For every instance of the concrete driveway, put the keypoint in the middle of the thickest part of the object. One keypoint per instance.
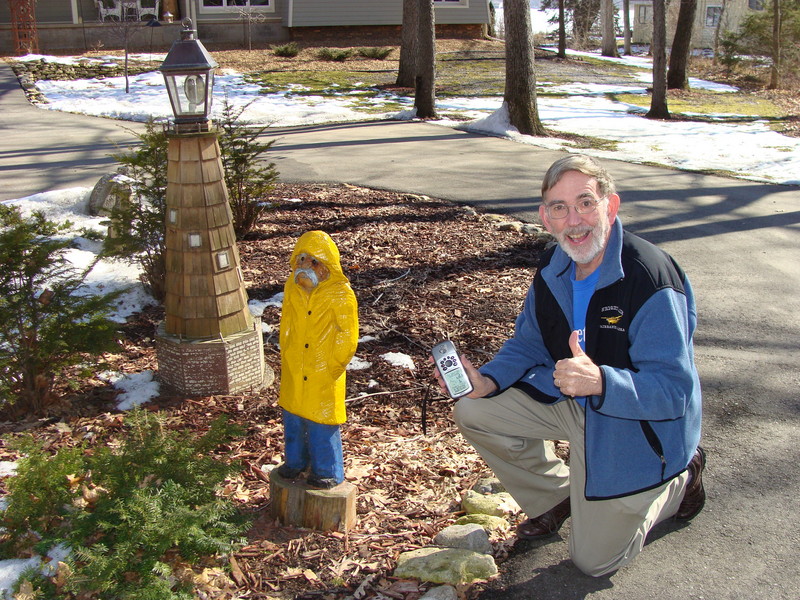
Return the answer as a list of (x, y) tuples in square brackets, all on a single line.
[(739, 242)]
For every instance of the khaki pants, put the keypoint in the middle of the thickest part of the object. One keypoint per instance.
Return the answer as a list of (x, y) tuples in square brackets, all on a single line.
[(509, 430)]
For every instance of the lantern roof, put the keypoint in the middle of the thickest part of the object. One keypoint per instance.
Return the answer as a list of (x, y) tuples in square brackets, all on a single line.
[(187, 53)]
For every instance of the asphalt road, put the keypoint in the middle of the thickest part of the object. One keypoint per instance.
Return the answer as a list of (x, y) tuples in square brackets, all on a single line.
[(737, 240)]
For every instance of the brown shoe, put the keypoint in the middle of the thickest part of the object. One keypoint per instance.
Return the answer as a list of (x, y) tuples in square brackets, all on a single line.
[(695, 497), (545, 524)]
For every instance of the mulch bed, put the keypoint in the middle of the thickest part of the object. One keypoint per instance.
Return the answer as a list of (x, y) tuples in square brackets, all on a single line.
[(422, 269)]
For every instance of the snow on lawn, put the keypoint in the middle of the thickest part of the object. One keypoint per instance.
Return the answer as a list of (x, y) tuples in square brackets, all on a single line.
[(748, 150)]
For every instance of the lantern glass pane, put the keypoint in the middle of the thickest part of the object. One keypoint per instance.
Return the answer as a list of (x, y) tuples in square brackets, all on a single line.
[(188, 94)]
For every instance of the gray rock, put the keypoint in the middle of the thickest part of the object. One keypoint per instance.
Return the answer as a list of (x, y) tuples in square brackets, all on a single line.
[(445, 565), (442, 592), (468, 537), (488, 485), (108, 192), (498, 505), (491, 524)]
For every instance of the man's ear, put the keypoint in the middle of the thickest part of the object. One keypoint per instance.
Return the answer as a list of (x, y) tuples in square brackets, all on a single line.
[(543, 217), (613, 207)]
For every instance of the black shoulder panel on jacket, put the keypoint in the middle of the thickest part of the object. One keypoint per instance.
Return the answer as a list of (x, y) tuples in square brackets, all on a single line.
[(653, 267)]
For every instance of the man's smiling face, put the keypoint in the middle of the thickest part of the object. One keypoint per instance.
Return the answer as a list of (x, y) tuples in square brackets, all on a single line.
[(582, 236)]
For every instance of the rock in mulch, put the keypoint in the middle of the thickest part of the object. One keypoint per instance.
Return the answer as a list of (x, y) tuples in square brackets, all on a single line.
[(445, 565)]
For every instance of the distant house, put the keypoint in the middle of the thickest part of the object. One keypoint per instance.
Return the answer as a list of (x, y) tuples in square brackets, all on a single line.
[(76, 24), (726, 15)]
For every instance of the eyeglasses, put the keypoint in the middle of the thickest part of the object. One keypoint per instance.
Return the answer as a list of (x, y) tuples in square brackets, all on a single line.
[(560, 210)]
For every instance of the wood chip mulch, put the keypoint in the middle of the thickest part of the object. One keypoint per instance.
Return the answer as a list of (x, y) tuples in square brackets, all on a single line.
[(422, 269)]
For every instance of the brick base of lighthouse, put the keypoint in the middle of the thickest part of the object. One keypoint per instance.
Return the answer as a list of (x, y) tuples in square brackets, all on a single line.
[(231, 365)]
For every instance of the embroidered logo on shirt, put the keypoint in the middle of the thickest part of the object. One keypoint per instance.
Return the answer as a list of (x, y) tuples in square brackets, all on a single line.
[(610, 316)]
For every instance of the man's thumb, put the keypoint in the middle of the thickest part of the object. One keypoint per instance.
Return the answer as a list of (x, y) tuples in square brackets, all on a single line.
[(575, 345)]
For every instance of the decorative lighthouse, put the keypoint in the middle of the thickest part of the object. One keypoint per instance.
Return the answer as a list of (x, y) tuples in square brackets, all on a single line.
[(208, 343)]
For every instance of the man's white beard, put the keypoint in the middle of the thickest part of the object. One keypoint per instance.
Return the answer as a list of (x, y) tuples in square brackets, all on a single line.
[(586, 254)]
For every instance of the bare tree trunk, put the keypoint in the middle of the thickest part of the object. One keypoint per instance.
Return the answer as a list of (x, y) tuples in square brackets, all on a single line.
[(407, 70), (609, 43), (717, 30), (775, 71), (626, 19), (677, 78), (562, 30), (520, 90), (658, 102), (425, 78)]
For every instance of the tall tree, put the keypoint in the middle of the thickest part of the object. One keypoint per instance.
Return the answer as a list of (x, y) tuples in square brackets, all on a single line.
[(609, 42), (775, 71), (677, 78), (584, 16), (407, 70), (520, 85), (581, 13), (425, 78), (658, 101), (562, 30), (626, 20), (718, 30)]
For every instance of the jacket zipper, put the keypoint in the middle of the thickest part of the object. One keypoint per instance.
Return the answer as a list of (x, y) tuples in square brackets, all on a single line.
[(655, 444)]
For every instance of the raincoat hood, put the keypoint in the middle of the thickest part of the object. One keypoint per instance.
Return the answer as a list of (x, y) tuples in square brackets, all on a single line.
[(322, 247)]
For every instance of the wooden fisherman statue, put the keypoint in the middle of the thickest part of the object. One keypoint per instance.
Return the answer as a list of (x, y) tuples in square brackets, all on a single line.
[(318, 337)]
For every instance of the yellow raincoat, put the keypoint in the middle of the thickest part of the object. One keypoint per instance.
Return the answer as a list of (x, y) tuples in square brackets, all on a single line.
[(318, 337)]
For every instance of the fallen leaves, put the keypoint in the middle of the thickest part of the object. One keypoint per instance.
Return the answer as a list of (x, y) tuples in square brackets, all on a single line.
[(411, 293)]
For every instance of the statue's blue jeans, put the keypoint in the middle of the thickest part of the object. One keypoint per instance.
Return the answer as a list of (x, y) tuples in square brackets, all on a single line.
[(313, 444)]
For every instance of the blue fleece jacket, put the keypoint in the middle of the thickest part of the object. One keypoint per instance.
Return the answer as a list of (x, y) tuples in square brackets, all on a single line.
[(644, 428)]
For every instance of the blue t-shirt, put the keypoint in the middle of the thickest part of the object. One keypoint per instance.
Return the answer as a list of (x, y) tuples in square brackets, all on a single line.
[(581, 294)]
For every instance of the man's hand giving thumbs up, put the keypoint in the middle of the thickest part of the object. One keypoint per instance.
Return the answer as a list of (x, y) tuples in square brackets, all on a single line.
[(578, 376)]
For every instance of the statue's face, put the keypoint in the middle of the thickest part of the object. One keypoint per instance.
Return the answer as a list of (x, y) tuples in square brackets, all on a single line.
[(309, 272)]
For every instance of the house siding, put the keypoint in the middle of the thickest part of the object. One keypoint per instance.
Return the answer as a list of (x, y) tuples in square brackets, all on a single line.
[(317, 13), (702, 34), (59, 29), (46, 12)]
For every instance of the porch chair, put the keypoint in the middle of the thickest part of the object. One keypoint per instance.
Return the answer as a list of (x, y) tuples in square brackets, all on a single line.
[(109, 8), (148, 7)]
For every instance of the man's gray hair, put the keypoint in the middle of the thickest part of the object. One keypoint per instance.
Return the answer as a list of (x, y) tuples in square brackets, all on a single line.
[(583, 164)]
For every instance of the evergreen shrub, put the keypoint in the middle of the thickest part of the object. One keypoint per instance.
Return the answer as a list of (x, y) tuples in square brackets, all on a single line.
[(48, 319), (248, 179), (132, 511), (289, 50), (374, 53), (334, 54)]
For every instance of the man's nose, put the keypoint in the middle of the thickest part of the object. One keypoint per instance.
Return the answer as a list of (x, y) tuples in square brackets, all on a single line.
[(573, 216)]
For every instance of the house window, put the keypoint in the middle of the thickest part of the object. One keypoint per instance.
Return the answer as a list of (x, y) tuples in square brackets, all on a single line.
[(195, 241), (713, 15), (223, 6), (755, 4), (464, 3), (644, 14)]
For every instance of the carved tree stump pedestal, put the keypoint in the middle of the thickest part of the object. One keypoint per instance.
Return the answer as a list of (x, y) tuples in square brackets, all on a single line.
[(296, 503)]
